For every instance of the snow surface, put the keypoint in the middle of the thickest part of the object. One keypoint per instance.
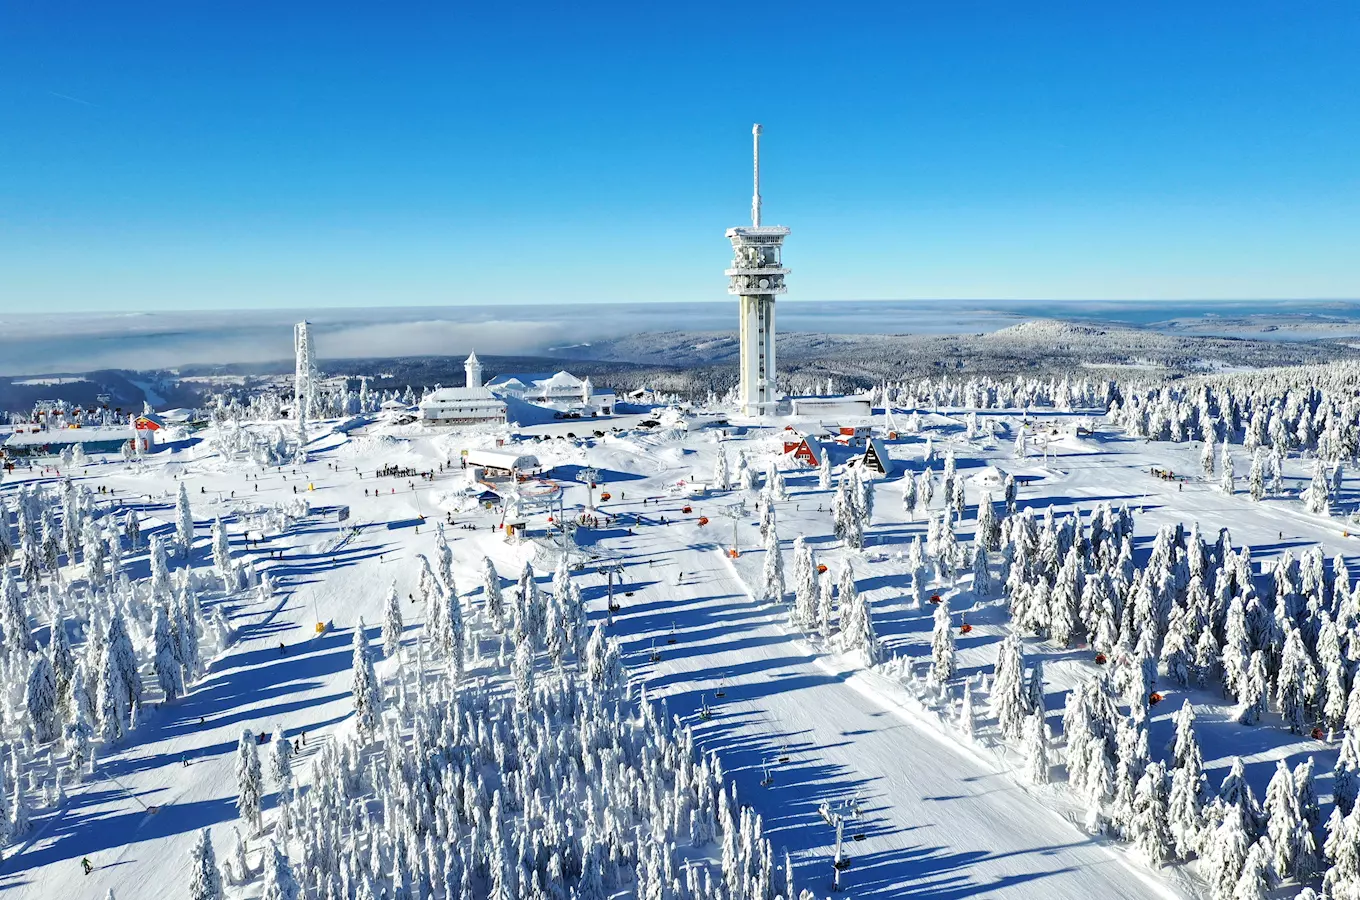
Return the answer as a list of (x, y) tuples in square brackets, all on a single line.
[(941, 817)]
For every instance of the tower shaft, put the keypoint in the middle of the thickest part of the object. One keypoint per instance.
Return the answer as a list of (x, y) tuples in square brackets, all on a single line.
[(757, 277)]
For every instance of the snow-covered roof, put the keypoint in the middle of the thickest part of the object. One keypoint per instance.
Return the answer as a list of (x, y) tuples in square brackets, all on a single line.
[(458, 395), (69, 436), (500, 459)]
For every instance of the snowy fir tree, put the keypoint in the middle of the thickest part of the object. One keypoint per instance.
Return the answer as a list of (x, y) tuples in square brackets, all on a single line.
[(772, 586), (279, 882), (1149, 826), (824, 472), (721, 478), (169, 673), (41, 699), (1316, 497), (364, 688), (184, 522), (805, 598), (249, 783), (1227, 476), (942, 663), (493, 600), (392, 627), (1037, 765), (205, 881)]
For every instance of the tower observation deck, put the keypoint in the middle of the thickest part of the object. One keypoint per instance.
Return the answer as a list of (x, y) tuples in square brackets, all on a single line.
[(756, 277)]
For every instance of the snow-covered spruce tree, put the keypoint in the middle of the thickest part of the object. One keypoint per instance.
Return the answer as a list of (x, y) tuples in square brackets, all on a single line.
[(167, 663), (805, 599), (493, 600), (1227, 476), (824, 472), (988, 529), (1256, 475), (864, 494), (721, 477), (1008, 688), (221, 550), (1255, 690), (772, 586), (982, 576), (846, 520), (205, 882), (847, 599), (111, 698), (367, 697), (1296, 672), (249, 784), (1149, 825), (1037, 765), (1188, 785), (775, 488), (119, 645), (1206, 456), (1254, 881), (184, 522), (825, 611), (132, 529), (909, 499), (40, 698), (392, 627), (281, 763), (942, 663), (14, 614), (1316, 496), (1283, 820), (279, 882)]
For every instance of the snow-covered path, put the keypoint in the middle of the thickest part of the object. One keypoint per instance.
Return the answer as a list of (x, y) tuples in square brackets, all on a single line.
[(937, 821)]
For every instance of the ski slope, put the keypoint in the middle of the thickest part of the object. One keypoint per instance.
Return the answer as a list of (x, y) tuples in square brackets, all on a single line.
[(938, 818)]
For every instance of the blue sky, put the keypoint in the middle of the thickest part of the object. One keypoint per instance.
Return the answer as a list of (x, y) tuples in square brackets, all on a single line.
[(212, 155)]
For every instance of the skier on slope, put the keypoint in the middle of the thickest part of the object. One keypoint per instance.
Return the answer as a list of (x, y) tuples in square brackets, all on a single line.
[(85, 864)]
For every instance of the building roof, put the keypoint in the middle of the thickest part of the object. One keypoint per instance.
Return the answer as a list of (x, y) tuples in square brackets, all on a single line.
[(458, 395), (500, 459), (472, 358), (69, 436)]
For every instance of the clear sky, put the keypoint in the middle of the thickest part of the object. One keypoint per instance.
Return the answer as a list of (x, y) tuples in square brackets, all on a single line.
[(200, 155)]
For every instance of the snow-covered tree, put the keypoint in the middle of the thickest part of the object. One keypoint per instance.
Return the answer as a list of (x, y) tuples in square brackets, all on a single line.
[(772, 586), (40, 698), (1149, 826), (249, 784), (279, 882), (392, 627), (1037, 765), (805, 598), (721, 477), (1316, 497), (167, 663), (942, 663), (493, 601), (367, 699), (1008, 688), (205, 881), (184, 521), (1227, 476), (824, 472)]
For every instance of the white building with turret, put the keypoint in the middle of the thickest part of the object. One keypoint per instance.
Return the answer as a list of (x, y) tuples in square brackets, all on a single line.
[(562, 392), (469, 405)]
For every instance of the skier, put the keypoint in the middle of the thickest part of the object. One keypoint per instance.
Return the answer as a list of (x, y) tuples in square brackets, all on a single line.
[(85, 864), (184, 759), (283, 650)]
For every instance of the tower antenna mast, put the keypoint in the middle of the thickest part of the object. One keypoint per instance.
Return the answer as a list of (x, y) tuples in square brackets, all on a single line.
[(755, 196)]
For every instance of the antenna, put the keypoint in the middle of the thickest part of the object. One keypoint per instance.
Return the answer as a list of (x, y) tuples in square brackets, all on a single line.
[(755, 197)]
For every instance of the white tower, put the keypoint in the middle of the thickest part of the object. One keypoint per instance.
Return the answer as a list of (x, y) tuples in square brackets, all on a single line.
[(304, 377), (472, 367), (756, 277)]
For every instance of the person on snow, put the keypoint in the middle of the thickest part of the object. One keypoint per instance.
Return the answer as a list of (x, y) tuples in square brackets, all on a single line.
[(85, 864)]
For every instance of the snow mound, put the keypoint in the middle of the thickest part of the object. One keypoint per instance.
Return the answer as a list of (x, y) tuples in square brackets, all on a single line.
[(373, 445)]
